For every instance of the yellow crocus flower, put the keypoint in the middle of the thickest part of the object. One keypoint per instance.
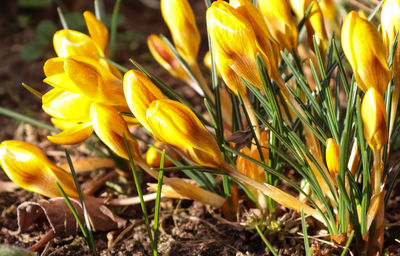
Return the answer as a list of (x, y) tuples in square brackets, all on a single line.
[(332, 157), (179, 17), (164, 56), (373, 114), (28, 167), (111, 128), (363, 46), (234, 40), (140, 92), (278, 16), (175, 124)]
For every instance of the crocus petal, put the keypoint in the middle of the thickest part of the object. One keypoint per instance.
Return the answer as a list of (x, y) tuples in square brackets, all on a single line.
[(364, 49), (54, 66), (66, 105), (97, 31), (140, 91), (165, 57), (110, 127), (28, 167), (175, 124), (179, 17), (153, 156), (74, 135), (68, 42), (390, 21), (280, 22), (62, 81), (373, 114), (62, 124), (95, 81)]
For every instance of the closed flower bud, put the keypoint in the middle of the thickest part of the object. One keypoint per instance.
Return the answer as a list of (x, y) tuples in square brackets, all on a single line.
[(140, 92), (27, 166), (111, 128), (373, 113), (165, 57), (280, 22), (175, 124), (332, 157), (234, 40), (363, 46), (181, 22)]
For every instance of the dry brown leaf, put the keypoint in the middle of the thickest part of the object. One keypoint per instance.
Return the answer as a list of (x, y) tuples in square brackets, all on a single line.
[(57, 214), (8, 186)]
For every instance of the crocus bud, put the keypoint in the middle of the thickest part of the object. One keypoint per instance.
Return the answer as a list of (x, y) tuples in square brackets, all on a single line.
[(181, 23), (28, 167), (268, 48), (175, 124), (363, 46), (280, 22), (165, 57), (234, 40), (140, 91), (153, 156), (373, 113), (111, 128), (332, 157)]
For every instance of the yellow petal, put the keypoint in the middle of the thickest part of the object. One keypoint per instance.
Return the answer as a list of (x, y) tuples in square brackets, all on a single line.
[(54, 66), (233, 38), (97, 31), (62, 81), (364, 49), (28, 167), (62, 124), (280, 21), (175, 124), (110, 127), (66, 105), (140, 91), (179, 17), (165, 57), (373, 113), (73, 135), (332, 157), (95, 81), (390, 21), (68, 42)]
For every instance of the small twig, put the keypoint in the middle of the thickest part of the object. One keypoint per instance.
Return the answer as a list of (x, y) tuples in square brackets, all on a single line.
[(131, 200), (43, 241), (94, 185)]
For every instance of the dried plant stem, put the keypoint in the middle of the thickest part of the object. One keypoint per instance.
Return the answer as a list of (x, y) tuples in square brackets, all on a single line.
[(43, 241), (96, 184), (275, 193), (131, 200)]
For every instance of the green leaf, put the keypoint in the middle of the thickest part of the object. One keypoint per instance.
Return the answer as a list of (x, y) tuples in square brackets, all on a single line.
[(44, 32), (34, 3), (31, 51)]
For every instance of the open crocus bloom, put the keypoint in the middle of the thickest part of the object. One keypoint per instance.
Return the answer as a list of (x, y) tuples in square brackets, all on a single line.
[(28, 167), (80, 78)]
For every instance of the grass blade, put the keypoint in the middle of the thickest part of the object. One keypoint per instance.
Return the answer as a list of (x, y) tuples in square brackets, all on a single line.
[(271, 249), (158, 200), (114, 26), (304, 228)]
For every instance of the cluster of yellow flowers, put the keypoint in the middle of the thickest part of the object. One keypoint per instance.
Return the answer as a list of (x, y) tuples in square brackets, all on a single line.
[(89, 93)]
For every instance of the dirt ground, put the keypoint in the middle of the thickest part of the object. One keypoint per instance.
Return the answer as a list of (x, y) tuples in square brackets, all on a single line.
[(187, 228)]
